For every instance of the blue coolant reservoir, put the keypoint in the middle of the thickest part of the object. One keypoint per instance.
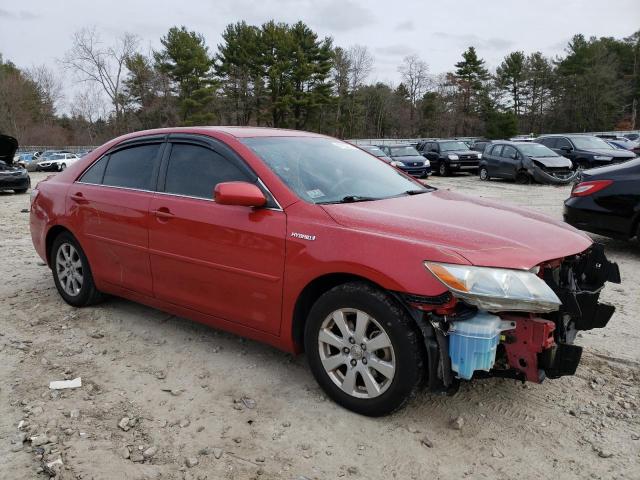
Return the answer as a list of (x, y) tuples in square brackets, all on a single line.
[(473, 343)]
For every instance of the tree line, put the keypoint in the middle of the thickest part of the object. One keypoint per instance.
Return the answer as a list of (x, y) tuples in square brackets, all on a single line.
[(287, 76)]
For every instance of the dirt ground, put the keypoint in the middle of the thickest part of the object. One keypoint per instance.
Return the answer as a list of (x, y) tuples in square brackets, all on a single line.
[(203, 404)]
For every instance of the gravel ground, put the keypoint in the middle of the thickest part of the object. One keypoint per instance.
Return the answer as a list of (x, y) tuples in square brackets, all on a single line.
[(163, 397)]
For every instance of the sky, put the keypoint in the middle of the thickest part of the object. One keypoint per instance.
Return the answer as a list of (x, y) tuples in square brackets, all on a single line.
[(35, 32)]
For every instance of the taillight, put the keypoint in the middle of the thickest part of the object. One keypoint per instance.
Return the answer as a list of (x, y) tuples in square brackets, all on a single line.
[(584, 189)]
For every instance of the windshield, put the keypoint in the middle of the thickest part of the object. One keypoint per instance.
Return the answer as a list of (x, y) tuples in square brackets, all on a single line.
[(586, 143), (536, 150), (449, 146), (373, 150), (324, 170), (404, 151)]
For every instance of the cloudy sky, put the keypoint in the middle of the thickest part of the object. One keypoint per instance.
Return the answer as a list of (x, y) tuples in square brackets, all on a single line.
[(34, 32)]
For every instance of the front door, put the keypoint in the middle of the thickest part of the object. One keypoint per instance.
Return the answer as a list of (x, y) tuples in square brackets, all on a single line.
[(222, 260)]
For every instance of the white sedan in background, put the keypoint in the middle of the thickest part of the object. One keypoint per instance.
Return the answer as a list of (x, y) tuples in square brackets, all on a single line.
[(58, 162)]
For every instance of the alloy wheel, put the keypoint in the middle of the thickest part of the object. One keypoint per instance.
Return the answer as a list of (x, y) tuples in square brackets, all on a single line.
[(484, 175), (69, 269), (356, 353)]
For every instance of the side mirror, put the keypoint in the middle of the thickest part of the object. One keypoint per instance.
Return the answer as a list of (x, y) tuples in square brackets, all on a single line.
[(239, 193), (566, 149)]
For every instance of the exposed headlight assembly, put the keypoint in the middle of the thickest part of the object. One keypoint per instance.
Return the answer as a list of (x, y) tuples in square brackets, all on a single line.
[(452, 157), (496, 289)]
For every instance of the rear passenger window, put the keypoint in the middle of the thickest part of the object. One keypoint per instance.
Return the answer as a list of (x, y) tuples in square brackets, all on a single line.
[(132, 167), (195, 171), (95, 172), (509, 152), (495, 151)]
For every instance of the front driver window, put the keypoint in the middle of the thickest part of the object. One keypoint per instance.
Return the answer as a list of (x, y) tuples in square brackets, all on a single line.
[(194, 171)]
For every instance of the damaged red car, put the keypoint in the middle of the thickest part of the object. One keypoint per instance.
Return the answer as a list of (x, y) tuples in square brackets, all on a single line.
[(312, 245)]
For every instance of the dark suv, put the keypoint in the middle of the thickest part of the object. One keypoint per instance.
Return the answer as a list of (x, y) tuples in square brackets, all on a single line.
[(449, 155), (406, 158), (585, 151)]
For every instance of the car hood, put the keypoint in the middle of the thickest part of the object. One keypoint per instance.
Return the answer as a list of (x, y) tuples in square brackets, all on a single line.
[(553, 162), (613, 153), (483, 232), (409, 158), (8, 148)]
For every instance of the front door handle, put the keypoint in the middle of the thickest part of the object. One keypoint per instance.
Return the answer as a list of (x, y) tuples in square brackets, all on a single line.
[(163, 213), (79, 198)]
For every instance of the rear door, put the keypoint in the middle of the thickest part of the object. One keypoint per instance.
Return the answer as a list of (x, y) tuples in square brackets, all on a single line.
[(508, 162), (222, 260), (109, 206), (492, 156)]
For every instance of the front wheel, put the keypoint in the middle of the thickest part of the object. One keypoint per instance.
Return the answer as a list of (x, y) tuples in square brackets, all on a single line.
[(71, 272), (363, 349), (62, 166), (443, 169), (484, 174)]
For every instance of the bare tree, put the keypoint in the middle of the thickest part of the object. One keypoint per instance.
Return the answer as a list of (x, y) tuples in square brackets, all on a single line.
[(93, 61), (89, 105), (415, 76), (360, 65)]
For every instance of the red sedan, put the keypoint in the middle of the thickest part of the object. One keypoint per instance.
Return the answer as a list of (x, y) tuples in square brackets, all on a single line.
[(310, 244)]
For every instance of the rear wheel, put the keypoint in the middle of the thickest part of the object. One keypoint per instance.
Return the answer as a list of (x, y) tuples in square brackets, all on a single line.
[(363, 349), (484, 174), (71, 272)]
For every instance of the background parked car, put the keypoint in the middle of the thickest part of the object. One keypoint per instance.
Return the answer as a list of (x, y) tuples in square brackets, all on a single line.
[(27, 160), (376, 151), (408, 159), (607, 201), (479, 145), (12, 176), (632, 136), (447, 156), (585, 151), (526, 161), (622, 143), (57, 162)]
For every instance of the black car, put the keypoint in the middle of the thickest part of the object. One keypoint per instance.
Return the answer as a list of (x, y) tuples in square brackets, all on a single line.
[(607, 201), (585, 151), (375, 151), (447, 156), (406, 158), (12, 177), (526, 161)]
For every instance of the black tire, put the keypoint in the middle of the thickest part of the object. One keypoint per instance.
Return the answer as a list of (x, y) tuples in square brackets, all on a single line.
[(88, 293), (62, 167), (522, 178), (21, 190), (443, 169), (406, 342), (484, 174)]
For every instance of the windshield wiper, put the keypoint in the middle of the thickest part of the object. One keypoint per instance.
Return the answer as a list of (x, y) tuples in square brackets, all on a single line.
[(352, 199), (417, 191)]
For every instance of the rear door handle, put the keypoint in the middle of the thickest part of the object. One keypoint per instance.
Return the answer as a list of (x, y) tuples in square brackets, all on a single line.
[(163, 213), (79, 198)]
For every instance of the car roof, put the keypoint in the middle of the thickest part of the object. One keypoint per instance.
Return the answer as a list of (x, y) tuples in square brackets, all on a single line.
[(238, 132)]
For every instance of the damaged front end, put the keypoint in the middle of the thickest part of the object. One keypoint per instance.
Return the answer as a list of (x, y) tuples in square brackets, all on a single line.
[(464, 341), (553, 171)]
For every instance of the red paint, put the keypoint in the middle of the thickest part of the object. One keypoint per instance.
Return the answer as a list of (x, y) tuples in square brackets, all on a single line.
[(530, 337), (240, 269), (239, 193)]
